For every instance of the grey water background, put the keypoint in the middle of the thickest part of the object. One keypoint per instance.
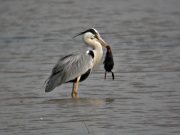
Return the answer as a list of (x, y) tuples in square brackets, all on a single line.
[(143, 99)]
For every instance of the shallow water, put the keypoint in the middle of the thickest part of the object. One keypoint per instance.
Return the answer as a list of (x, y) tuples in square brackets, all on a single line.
[(143, 99)]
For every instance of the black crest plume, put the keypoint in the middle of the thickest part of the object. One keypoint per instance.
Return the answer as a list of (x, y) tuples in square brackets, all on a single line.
[(92, 30)]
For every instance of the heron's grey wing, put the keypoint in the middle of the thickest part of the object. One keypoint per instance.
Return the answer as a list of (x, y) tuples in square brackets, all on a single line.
[(69, 67)]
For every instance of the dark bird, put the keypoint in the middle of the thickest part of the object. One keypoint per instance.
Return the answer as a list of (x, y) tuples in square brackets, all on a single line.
[(109, 62)]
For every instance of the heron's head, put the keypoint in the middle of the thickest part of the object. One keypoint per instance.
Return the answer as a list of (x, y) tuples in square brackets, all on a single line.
[(91, 36)]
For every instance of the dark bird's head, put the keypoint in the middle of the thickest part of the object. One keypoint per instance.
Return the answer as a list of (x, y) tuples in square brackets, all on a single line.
[(108, 49)]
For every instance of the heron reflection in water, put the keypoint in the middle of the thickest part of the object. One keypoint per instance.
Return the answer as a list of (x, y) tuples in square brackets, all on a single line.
[(77, 65)]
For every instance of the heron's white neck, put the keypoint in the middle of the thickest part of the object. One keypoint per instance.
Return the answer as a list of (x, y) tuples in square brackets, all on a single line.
[(98, 52)]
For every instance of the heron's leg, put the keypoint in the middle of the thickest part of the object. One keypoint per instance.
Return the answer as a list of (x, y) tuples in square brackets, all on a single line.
[(112, 75), (105, 75), (74, 93)]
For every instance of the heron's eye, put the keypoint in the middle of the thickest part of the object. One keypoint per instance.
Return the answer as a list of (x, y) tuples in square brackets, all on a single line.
[(92, 37)]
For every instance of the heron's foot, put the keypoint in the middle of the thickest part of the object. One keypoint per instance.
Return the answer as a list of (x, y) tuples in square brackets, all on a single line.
[(74, 94)]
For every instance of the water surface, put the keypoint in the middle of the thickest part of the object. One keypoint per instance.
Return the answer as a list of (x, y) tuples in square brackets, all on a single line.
[(143, 99)]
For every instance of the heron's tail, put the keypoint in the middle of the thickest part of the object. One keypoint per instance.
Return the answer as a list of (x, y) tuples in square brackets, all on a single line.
[(48, 88), (51, 83)]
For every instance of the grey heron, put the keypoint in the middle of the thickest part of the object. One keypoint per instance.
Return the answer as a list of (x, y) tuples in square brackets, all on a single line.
[(76, 66)]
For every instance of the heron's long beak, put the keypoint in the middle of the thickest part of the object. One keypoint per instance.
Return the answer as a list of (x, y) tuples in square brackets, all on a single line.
[(101, 41)]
